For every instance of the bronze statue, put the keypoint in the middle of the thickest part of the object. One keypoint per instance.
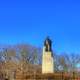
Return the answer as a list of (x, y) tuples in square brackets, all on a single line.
[(48, 44)]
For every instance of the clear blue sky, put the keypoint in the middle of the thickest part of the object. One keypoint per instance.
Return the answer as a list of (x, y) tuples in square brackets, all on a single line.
[(30, 21)]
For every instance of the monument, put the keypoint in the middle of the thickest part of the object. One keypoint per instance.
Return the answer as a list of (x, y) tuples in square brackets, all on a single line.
[(47, 57)]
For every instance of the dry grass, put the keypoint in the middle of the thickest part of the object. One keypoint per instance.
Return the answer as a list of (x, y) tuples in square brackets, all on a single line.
[(33, 72), (55, 76)]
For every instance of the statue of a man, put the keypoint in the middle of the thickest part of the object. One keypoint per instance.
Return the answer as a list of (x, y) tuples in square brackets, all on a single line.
[(48, 44)]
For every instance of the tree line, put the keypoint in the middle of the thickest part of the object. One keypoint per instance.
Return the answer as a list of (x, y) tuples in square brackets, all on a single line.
[(28, 54)]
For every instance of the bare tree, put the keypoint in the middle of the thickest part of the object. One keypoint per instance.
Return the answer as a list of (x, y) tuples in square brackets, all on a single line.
[(67, 62)]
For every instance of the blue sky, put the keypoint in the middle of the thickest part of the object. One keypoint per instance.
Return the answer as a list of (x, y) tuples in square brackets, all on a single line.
[(30, 21)]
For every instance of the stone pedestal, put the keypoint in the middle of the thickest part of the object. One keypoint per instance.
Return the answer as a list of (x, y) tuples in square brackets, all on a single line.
[(47, 62)]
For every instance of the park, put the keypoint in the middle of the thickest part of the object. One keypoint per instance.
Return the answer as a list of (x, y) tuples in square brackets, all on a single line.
[(39, 39), (24, 68)]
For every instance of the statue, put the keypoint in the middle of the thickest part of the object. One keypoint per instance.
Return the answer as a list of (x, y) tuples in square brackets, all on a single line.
[(48, 44), (47, 57)]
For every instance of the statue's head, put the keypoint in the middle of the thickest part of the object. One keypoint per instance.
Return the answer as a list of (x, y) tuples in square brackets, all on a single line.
[(47, 44)]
